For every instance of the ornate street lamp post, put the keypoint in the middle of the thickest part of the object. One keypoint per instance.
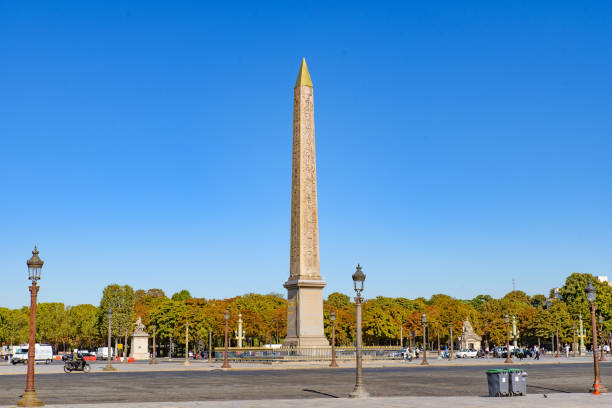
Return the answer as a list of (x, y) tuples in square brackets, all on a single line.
[(558, 343), (514, 344), (109, 357), (602, 356), (359, 390), (209, 345), (29, 398), (424, 321), (333, 350), (574, 344), (226, 364), (508, 359), (154, 359), (452, 345), (590, 295), (187, 345), (581, 336)]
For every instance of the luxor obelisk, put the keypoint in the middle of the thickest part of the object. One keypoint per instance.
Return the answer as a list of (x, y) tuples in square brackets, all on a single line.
[(304, 286)]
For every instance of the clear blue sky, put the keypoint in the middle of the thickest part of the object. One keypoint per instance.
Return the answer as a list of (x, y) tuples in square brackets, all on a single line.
[(458, 145)]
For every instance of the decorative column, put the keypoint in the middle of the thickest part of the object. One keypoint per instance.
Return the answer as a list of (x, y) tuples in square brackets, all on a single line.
[(239, 333)]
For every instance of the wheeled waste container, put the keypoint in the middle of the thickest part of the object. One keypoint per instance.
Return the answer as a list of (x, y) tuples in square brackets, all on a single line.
[(518, 381), (498, 383)]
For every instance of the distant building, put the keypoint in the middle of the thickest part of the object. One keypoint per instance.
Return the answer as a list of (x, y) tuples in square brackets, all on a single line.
[(604, 279)]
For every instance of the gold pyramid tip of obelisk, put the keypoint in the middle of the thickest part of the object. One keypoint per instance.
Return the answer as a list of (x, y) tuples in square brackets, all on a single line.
[(303, 78)]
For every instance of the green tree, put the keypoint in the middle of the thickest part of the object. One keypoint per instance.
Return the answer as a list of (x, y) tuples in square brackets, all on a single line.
[(14, 325), (83, 325), (181, 296), (121, 300), (52, 324), (338, 300), (574, 296)]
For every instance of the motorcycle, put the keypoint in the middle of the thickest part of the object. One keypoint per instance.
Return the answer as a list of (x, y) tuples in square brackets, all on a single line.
[(79, 365)]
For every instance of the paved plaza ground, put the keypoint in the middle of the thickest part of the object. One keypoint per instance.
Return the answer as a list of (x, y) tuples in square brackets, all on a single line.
[(530, 401), (170, 384), (202, 365)]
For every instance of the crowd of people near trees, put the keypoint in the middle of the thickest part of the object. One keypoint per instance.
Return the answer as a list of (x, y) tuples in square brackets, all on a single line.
[(385, 319)]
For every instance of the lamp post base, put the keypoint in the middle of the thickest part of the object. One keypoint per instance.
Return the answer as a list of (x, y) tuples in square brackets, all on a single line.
[(30, 399), (333, 364), (424, 362), (186, 363), (359, 392), (109, 368)]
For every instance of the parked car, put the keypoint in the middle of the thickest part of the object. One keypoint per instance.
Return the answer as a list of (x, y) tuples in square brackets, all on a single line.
[(467, 353)]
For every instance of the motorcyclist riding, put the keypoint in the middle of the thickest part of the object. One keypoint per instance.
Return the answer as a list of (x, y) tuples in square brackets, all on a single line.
[(77, 360)]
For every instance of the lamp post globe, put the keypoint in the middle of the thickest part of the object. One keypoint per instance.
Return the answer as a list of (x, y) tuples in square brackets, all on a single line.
[(590, 292), (358, 279), (35, 265), (30, 398), (359, 390)]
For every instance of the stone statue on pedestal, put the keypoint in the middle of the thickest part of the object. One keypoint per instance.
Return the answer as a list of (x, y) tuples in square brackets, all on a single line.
[(140, 342)]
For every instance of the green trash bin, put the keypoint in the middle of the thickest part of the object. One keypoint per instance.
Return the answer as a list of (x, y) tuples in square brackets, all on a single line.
[(498, 383), (518, 381)]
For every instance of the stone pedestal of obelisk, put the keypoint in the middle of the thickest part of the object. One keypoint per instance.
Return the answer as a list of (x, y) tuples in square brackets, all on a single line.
[(304, 286)]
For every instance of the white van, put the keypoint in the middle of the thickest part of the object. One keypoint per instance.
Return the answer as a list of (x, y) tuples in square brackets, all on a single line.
[(42, 353), (102, 353)]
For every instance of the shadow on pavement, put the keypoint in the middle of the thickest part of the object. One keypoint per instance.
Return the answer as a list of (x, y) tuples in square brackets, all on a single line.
[(548, 389), (322, 393)]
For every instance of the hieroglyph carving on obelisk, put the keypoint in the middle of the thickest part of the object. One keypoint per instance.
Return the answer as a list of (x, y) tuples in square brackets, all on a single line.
[(305, 286)]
